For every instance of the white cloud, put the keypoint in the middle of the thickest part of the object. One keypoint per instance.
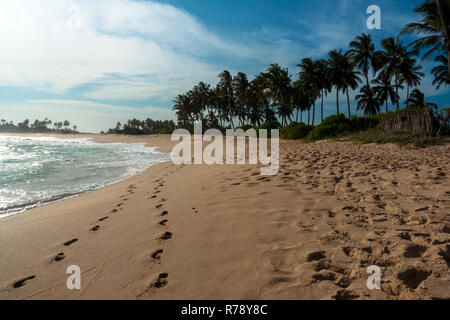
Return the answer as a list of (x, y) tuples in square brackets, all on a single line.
[(118, 41)]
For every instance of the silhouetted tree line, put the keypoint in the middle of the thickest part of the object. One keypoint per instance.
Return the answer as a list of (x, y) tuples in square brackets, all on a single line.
[(147, 126), (37, 126)]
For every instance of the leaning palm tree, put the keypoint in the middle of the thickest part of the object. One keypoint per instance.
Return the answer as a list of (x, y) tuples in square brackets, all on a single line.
[(337, 70), (440, 72), (434, 26), (368, 101), (364, 56), (385, 91)]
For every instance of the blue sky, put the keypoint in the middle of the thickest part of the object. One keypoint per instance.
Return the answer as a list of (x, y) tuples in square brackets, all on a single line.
[(99, 62)]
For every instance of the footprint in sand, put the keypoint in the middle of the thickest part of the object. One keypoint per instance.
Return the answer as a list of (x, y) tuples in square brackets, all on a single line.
[(166, 236), (161, 282), (157, 254), (414, 251), (103, 219), (21, 283), (163, 222), (59, 257), (70, 242), (315, 256), (159, 206), (413, 277), (344, 294), (96, 228), (164, 213)]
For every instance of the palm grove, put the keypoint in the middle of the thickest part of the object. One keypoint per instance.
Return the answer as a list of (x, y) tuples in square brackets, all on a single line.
[(379, 75)]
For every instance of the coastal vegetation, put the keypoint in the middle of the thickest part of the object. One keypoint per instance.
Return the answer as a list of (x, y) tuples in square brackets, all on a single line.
[(38, 126), (148, 126)]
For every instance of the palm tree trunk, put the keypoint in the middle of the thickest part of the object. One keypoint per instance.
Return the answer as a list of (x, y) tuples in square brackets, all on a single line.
[(348, 102), (296, 118), (301, 115), (337, 100), (396, 90), (407, 92), (314, 113), (387, 105), (321, 109), (309, 112), (367, 79)]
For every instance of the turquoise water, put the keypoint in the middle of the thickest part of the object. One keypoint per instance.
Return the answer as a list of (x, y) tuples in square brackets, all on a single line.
[(36, 171)]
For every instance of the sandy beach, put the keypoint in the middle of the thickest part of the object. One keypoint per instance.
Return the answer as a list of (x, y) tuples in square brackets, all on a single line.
[(226, 232)]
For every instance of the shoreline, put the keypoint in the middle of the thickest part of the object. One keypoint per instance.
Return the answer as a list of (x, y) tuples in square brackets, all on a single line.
[(225, 232), (94, 138)]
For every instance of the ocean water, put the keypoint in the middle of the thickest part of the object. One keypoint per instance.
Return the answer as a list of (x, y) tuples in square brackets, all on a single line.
[(36, 171)]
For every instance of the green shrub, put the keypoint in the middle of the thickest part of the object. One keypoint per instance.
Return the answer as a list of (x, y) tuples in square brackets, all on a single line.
[(335, 119), (165, 131), (402, 138), (330, 127), (295, 131), (363, 123), (269, 125)]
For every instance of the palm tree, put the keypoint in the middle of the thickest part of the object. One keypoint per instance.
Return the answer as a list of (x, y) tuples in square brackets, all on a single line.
[(434, 26), (225, 87), (337, 70), (364, 56), (261, 85), (417, 100), (351, 79), (204, 92), (385, 91), (309, 76), (410, 74), (241, 90), (368, 101), (255, 103), (324, 84), (440, 72), (393, 58), (301, 101), (182, 106), (281, 88)]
